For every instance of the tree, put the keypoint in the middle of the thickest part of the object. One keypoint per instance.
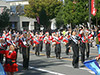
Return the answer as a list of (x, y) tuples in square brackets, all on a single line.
[(59, 19), (44, 9), (74, 12), (4, 18), (19, 10)]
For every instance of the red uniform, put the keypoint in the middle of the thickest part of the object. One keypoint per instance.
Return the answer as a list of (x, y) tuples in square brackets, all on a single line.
[(23, 42), (99, 36), (57, 40), (65, 40), (8, 67), (47, 40), (36, 41)]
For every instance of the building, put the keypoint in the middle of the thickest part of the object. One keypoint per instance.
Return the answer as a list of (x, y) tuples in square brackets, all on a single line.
[(62, 1), (16, 21), (4, 4), (20, 22)]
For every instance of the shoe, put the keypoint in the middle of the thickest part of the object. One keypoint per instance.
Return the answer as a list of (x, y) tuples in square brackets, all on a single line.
[(87, 58), (48, 56), (36, 54), (76, 67), (82, 66), (25, 69), (59, 58)]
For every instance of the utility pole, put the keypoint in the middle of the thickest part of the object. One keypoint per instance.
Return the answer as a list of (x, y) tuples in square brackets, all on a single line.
[(89, 14)]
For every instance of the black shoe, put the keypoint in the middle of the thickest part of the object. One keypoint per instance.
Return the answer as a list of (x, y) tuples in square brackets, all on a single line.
[(87, 58), (82, 66), (27, 68), (24, 68), (82, 62), (67, 53), (48, 56), (59, 58), (56, 57), (1, 62), (76, 67), (36, 54)]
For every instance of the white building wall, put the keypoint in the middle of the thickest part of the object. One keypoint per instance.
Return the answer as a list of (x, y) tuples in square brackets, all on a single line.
[(4, 4), (17, 3), (26, 19)]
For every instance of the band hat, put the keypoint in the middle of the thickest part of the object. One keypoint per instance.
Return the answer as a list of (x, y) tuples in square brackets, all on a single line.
[(73, 31), (81, 32), (9, 32), (47, 33), (66, 33), (0, 38), (24, 32), (13, 35), (99, 31), (87, 30)]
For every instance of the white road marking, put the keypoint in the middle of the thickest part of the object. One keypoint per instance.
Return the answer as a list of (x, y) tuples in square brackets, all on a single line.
[(43, 70), (82, 69), (87, 70)]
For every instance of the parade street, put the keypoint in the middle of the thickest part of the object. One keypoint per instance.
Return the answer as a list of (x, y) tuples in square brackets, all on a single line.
[(41, 65)]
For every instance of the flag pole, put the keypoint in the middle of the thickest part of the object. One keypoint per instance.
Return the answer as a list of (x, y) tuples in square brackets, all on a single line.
[(89, 14)]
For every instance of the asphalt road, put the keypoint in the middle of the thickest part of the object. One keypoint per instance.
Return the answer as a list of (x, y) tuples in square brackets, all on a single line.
[(41, 65)]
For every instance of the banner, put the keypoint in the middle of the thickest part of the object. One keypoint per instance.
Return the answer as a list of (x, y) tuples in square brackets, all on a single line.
[(93, 10), (2, 72), (93, 65), (38, 20), (98, 47)]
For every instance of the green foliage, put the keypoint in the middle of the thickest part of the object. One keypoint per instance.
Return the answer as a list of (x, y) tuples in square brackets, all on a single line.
[(4, 18), (74, 13), (59, 19), (45, 9)]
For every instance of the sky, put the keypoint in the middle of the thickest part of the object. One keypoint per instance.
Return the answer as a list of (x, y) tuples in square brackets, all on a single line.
[(13, 0)]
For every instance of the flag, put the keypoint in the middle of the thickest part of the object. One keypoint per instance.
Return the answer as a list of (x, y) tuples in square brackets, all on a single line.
[(2, 10), (2, 72), (38, 19), (93, 9), (93, 65), (98, 47)]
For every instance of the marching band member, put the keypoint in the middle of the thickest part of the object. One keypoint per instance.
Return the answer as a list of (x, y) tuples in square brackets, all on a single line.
[(4, 35), (25, 50), (14, 42), (87, 43), (65, 40), (82, 45), (74, 41), (98, 36), (1, 48), (47, 41), (57, 44), (36, 45), (41, 40), (10, 65)]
